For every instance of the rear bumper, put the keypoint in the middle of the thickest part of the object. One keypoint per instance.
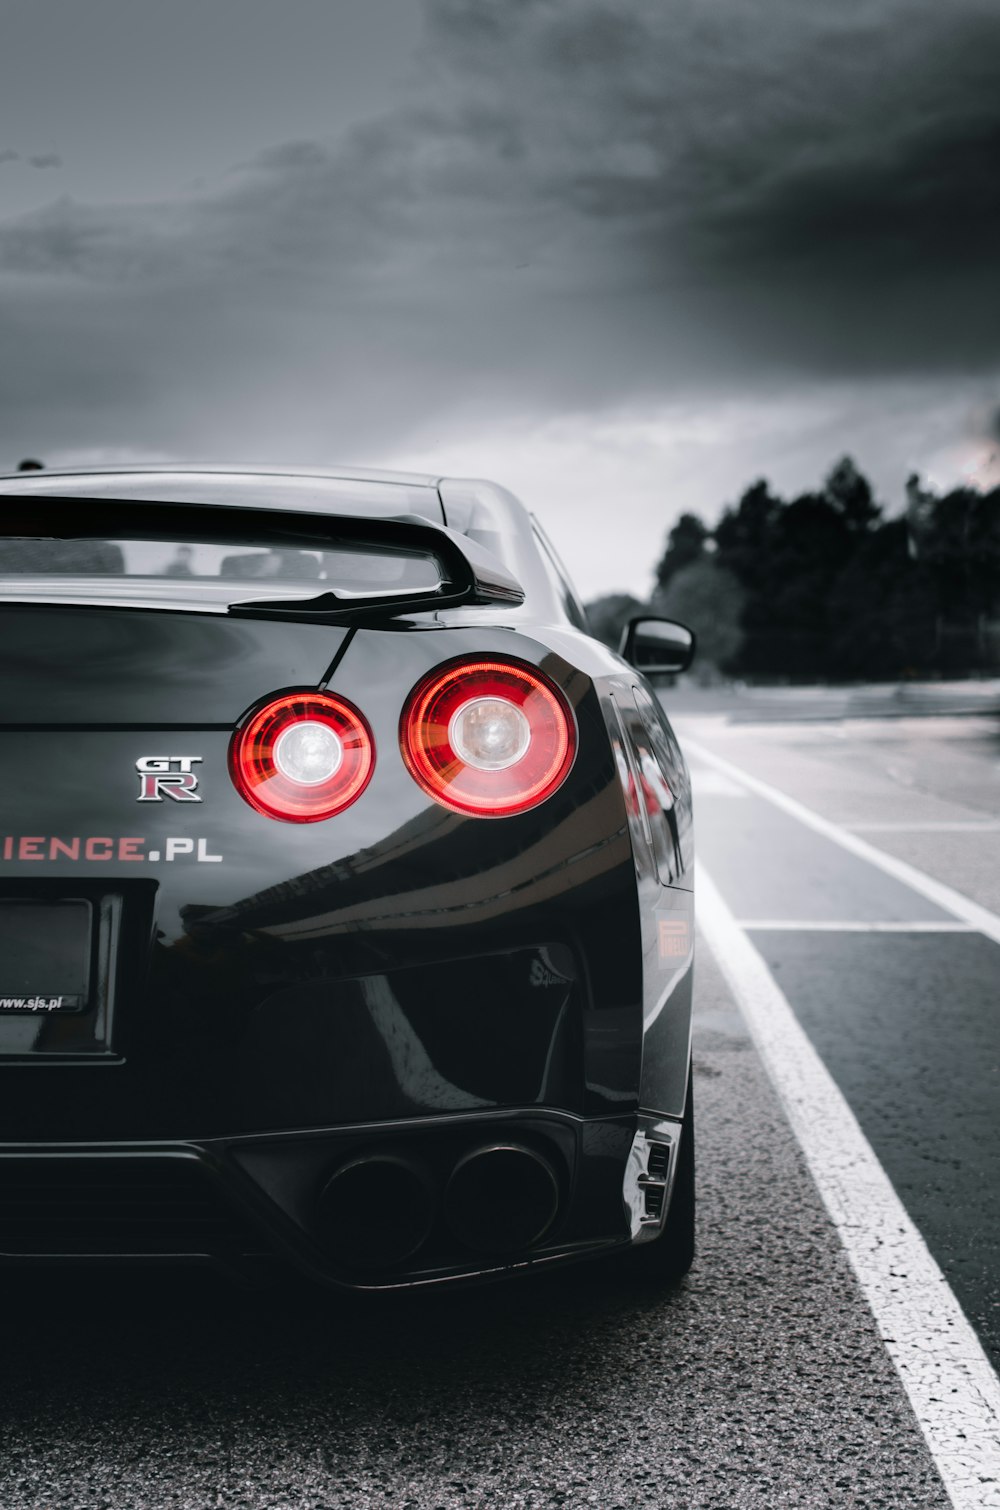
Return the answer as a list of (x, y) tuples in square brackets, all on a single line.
[(238, 1203)]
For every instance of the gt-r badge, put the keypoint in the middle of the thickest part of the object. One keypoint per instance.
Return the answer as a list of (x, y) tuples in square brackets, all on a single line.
[(167, 776)]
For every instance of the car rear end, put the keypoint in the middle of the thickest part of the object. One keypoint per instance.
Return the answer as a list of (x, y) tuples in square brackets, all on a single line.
[(272, 987)]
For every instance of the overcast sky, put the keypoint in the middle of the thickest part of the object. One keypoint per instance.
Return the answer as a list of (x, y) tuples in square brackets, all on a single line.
[(624, 257)]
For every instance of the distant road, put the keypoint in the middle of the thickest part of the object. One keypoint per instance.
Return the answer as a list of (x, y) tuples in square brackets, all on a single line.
[(749, 704)]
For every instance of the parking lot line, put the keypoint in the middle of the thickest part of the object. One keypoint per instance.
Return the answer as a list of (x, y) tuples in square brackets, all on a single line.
[(953, 1391), (977, 917)]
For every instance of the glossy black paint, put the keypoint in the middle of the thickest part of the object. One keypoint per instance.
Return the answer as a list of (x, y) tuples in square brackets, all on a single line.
[(276, 998)]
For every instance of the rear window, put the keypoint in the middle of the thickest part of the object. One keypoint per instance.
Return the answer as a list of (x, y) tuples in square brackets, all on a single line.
[(200, 569)]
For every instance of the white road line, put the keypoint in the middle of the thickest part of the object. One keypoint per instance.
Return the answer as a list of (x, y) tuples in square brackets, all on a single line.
[(796, 925), (979, 918), (954, 1393)]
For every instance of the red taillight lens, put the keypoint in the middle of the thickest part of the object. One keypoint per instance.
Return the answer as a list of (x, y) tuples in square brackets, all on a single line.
[(302, 757), (489, 738)]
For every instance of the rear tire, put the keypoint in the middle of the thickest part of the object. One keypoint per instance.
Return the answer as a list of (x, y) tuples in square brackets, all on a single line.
[(669, 1258)]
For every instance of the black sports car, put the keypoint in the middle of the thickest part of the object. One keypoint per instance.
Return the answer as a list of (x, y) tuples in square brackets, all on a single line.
[(345, 885)]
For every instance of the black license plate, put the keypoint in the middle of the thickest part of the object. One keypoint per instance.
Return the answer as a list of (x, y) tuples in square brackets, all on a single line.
[(45, 955)]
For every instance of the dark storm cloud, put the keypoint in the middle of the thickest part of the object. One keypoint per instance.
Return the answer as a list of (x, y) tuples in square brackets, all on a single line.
[(85, 243), (578, 202), (36, 160), (826, 177)]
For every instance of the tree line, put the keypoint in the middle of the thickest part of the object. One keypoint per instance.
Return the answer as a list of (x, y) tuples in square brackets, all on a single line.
[(825, 586)]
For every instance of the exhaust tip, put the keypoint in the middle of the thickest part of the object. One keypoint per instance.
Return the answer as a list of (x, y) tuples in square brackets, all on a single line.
[(376, 1211), (501, 1197)]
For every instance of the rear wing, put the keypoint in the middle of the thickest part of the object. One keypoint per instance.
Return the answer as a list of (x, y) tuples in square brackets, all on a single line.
[(301, 565)]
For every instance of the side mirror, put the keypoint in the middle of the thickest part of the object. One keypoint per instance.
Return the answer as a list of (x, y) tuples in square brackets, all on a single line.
[(658, 645)]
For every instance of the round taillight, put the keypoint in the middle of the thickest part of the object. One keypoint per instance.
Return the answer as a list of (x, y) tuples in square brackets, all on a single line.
[(490, 738), (302, 757)]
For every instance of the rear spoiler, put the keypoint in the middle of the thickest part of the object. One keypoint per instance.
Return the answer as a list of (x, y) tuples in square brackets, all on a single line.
[(469, 573)]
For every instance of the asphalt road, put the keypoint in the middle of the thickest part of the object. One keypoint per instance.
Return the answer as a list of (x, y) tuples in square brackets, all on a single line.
[(761, 1381), (906, 1021)]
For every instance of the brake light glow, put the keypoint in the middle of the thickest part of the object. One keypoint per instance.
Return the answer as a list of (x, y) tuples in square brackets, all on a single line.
[(302, 757), (488, 737)]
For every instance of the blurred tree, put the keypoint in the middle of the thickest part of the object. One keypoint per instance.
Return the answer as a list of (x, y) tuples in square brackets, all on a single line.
[(708, 599), (881, 610), (825, 586), (608, 616), (787, 557), (743, 536), (685, 545), (850, 493), (961, 548), (919, 514)]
